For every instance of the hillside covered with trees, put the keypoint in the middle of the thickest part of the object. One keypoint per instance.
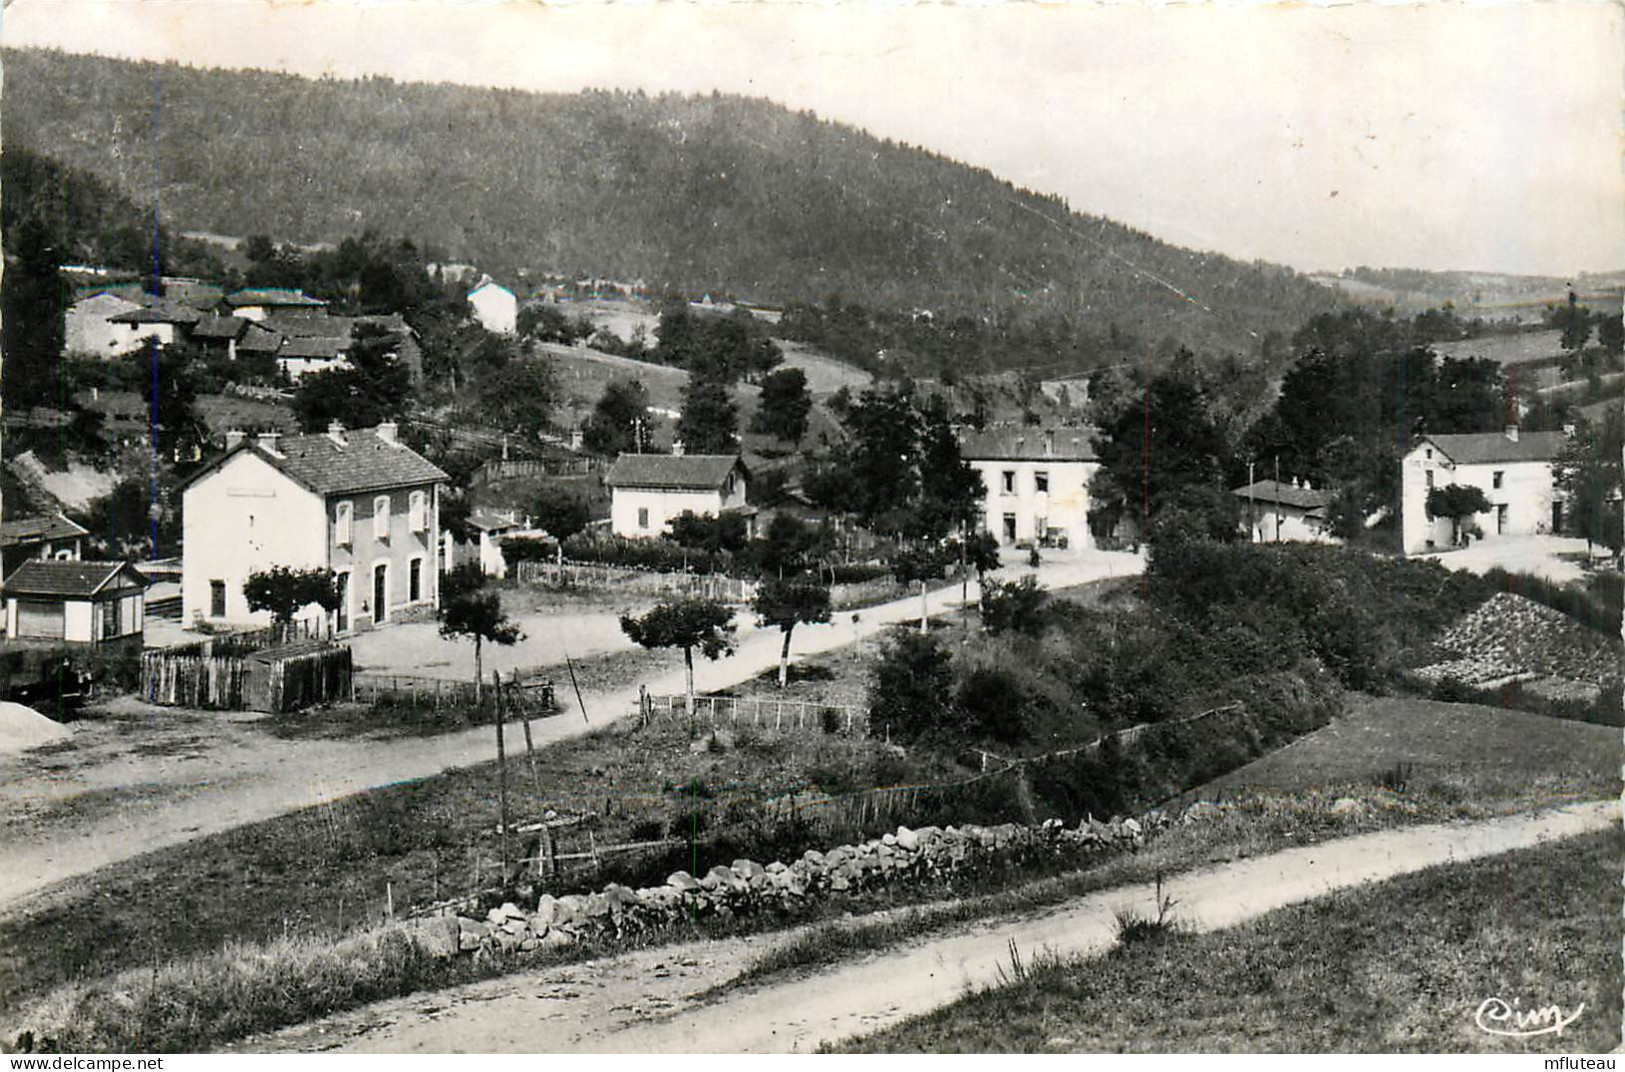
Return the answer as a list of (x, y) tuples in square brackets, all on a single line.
[(721, 193)]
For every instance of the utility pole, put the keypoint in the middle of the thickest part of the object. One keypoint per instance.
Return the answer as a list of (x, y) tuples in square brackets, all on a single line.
[(1277, 498), (1252, 505)]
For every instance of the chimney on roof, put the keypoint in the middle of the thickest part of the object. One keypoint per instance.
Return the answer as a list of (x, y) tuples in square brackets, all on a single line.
[(1568, 431), (387, 431), (269, 441), (234, 439), (1512, 432), (335, 432)]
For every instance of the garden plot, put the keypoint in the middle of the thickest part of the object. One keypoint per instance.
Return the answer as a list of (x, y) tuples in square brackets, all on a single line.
[(1511, 638)]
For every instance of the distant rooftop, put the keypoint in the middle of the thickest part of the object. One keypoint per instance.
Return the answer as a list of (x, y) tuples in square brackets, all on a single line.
[(1028, 444)]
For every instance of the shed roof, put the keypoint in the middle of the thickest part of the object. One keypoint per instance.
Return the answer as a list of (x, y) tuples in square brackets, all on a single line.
[(40, 577), (677, 472), (258, 340), (1272, 491), (158, 311), (25, 530), (270, 296), (1029, 444), (318, 348), (218, 327), (1484, 447)]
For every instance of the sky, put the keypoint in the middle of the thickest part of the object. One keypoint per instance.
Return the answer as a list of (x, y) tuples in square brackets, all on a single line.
[(1443, 136)]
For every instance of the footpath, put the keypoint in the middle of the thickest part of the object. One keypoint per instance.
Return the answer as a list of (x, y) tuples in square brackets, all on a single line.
[(644, 1002)]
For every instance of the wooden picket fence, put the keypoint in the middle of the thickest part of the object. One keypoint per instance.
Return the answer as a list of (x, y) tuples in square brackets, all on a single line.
[(762, 713), (435, 694), (200, 681), (273, 679)]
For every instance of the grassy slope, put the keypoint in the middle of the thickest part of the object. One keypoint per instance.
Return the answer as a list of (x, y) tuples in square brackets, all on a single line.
[(716, 193), (1398, 966), (1479, 750)]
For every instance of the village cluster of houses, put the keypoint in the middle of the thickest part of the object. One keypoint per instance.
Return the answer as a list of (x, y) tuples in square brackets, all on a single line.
[(288, 326), (364, 505)]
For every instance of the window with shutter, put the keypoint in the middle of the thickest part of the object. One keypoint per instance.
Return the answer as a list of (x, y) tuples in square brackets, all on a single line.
[(380, 518), (342, 519), (419, 510)]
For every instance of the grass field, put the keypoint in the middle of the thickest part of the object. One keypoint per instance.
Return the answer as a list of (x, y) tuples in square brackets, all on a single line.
[(1466, 749), (1401, 965), (1506, 349), (583, 375)]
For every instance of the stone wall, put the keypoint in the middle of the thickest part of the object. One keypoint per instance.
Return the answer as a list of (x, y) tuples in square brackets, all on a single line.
[(748, 887)]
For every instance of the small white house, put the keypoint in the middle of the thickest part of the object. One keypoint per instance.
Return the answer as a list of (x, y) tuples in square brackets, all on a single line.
[(495, 307), (74, 602), (1272, 511), (485, 549), (1513, 469), (1035, 481), (648, 490)]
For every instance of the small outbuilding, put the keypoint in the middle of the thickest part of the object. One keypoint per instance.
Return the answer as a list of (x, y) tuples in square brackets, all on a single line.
[(74, 602)]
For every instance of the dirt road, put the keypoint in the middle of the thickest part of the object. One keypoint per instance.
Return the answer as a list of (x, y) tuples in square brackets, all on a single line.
[(142, 801), (642, 1003)]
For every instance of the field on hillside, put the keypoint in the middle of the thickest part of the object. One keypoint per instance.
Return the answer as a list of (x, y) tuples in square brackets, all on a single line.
[(1406, 740), (1402, 965), (1507, 349), (584, 373), (825, 374)]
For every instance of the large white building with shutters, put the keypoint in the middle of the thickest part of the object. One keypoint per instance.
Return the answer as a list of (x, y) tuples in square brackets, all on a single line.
[(360, 503)]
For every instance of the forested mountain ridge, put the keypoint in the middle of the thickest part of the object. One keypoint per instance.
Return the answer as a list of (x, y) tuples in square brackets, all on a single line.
[(717, 193)]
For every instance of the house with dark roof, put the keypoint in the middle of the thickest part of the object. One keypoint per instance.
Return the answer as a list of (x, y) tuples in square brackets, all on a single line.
[(1035, 483), (648, 490), (360, 503), (1512, 468), (53, 538), (74, 602), (257, 303), (1277, 510)]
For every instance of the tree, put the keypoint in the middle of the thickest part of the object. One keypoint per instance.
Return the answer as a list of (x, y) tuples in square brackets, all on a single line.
[(790, 545), (1165, 442), (788, 602), (709, 532), (171, 394), (468, 610), (518, 396), (619, 422), (34, 297), (709, 419), (1611, 334), (562, 516), (1589, 470), (784, 405), (1457, 501), (1015, 607), (374, 388), (686, 624), (919, 564), (1197, 513), (284, 591), (911, 690)]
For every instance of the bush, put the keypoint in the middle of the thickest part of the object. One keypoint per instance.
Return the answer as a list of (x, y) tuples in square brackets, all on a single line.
[(991, 705), (911, 691), (1014, 606)]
